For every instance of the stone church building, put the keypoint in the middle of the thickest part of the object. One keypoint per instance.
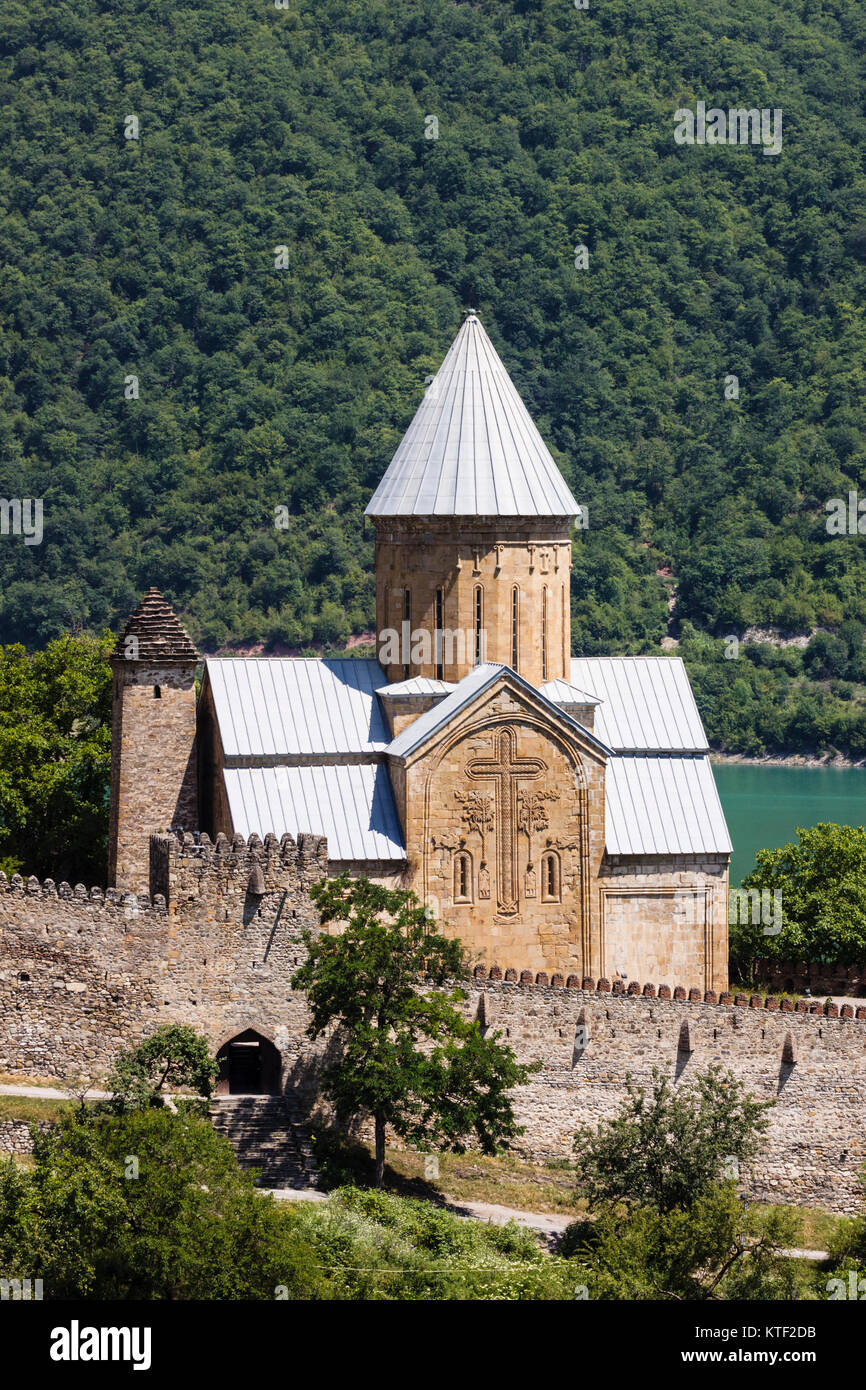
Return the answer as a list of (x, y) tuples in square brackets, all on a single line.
[(558, 813)]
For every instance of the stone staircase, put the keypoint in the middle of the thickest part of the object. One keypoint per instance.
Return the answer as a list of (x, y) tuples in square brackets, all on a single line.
[(268, 1133)]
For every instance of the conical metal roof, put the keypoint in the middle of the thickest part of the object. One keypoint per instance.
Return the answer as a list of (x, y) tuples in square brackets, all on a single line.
[(472, 448)]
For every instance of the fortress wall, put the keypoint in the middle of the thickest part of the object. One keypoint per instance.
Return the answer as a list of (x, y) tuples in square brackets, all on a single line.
[(813, 1064), (85, 974)]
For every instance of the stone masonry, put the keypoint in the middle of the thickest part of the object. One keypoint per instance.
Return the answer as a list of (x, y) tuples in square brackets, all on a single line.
[(84, 975)]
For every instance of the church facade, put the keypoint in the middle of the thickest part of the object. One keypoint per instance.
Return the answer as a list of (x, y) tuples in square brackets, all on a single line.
[(559, 814)]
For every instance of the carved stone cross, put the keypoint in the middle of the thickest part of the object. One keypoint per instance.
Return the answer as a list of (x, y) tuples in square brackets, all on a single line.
[(507, 771)]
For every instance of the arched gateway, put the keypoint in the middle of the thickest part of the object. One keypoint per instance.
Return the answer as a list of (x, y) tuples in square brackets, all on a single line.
[(249, 1066)]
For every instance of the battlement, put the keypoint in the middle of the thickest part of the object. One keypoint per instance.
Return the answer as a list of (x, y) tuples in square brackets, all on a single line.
[(772, 1003), (104, 897)]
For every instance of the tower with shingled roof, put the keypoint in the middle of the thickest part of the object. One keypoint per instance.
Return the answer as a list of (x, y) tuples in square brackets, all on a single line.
[(154, 783)]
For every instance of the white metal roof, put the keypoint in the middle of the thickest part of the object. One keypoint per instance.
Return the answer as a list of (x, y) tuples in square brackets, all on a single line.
[(472, 448), (284, 706), (658, 805), (648, 703), (351, 804), (561, 692), (418, 685)]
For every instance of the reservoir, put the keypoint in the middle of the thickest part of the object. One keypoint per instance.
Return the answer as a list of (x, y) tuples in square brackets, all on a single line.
[(764, 804)]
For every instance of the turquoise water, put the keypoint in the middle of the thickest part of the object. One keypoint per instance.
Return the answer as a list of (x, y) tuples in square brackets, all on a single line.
[(764, 805)]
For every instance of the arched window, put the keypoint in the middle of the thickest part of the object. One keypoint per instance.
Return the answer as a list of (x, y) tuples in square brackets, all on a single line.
[(406, 634), (463, 886), (515, 619), (479, 624), (440, 623), (157, 692), (544, 633), (550, 891)]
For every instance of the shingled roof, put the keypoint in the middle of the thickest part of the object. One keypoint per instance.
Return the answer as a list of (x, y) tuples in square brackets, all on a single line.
[(160, 634)]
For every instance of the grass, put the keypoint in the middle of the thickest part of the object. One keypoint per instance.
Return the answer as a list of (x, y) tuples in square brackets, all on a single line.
[(504, 1181), (31, 1108)]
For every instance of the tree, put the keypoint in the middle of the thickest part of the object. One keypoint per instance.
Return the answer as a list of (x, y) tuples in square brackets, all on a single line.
[(175, 1056), (55, 755), (666, 1148), (146, 1205), (661, 1179), (716, 1248), (822, 880), (407, 1055)]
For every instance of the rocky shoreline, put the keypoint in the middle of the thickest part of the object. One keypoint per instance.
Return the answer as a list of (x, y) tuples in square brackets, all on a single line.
[(787, 760)]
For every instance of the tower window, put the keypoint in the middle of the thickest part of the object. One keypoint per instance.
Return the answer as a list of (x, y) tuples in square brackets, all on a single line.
[(544, 633), (157, 692), (479, 620), (550, 892), (515, 613), (463, 877), (407, 633), (440, 623)]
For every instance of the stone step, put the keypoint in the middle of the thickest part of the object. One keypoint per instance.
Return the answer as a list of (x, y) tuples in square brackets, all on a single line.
[(268, 1133)]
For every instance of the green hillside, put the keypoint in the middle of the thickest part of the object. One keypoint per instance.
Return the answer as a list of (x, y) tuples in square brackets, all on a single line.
[(261, 387)]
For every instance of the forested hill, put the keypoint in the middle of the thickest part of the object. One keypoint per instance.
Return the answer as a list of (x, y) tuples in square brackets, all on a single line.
[(260, 387)]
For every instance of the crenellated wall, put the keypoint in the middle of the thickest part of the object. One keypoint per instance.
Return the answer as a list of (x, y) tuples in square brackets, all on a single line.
[(809, 1058), (85, 974)]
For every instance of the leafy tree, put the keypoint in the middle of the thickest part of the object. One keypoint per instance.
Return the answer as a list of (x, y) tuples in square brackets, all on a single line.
[(407, 1055), (55, 755), (146, 1205), (666, 1148), (174, 1056), (715, 1248), (822, 880)]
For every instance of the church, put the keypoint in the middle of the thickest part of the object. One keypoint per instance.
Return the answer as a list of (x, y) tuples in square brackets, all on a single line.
[(556, 813)]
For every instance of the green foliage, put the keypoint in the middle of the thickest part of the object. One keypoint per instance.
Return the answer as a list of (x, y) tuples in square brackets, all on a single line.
[(404, 1051), (669, 1223), (822, 880), (55, 756), (189, 1225), (376, 1246), (262, 387), (716, 1248), (666, 1149), (773, 699), (174, 1056)]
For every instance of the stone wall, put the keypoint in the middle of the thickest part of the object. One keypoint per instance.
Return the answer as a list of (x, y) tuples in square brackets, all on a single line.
[(812, 1063), (461, 555), (83, 975), (15, 1135)]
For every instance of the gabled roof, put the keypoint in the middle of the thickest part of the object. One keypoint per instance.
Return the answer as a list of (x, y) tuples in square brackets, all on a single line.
[(418, 685), (158, 633), (648, 704), (666, 805), (285, 707), (480, 678), (472, 448), (561, 692)]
